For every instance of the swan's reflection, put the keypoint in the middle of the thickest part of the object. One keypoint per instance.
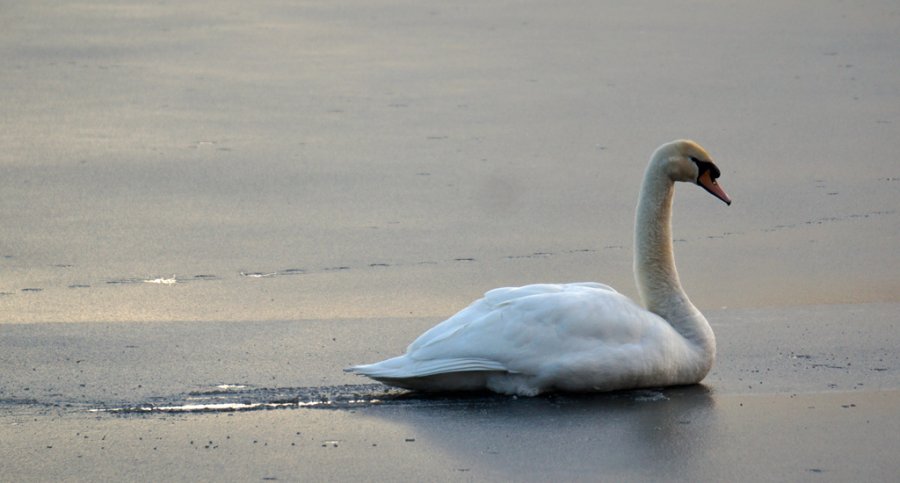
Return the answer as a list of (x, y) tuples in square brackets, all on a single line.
[(657, 433)]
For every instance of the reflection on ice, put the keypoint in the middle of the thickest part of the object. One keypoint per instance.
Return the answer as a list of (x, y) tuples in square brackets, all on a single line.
[(231, 386), (219, 407), (238, 397), (163, 280)]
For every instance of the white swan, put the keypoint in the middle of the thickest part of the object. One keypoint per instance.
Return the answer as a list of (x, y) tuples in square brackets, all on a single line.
[(578, 336)]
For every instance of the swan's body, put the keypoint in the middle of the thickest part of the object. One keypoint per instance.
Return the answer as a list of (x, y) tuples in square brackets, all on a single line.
[(580, 336)]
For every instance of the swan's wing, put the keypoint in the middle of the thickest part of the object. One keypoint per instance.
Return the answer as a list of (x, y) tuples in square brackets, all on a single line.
[(519, 329), (493, 301)]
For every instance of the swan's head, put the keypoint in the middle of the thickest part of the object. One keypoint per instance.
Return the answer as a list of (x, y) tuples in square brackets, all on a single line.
[(686, 160)]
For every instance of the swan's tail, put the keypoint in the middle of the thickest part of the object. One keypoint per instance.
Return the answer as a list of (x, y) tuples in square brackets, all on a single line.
[(390, 368), (432, 375), (404, 367)]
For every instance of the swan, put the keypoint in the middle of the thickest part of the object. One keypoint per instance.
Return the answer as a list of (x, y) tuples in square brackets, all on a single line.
[(578, 337)]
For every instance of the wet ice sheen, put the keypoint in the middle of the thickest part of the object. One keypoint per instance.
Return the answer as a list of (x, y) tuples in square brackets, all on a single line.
[(237, 397)]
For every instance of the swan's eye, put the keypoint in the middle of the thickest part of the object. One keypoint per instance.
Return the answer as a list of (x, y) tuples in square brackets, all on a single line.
[(704, 166)]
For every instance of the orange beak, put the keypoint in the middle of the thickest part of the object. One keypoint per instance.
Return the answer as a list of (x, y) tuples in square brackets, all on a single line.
[(709, 184)]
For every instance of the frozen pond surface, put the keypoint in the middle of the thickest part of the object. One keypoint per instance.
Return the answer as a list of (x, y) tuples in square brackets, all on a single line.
[(223, 204)]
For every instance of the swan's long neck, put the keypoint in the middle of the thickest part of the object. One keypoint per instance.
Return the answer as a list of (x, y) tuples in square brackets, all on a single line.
[(654, 262)]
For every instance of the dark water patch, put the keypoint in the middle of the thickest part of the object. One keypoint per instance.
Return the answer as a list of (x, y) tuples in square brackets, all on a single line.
[(292, 271), (15, 401), (530, 255), (123, 281)]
